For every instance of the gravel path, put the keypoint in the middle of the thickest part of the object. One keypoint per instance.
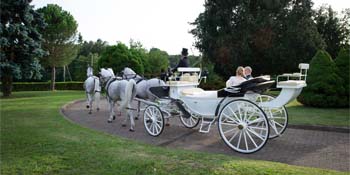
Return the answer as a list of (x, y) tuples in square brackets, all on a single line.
[(321, 149)]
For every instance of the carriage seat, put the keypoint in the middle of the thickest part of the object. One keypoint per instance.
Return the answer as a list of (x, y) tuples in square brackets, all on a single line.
[(291, 84), (192, 91)]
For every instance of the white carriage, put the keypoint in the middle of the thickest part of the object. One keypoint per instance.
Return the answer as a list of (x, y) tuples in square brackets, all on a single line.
[(246, 119)]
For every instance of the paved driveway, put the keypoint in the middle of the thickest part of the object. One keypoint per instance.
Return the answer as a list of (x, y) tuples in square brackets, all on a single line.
[(321, 149)]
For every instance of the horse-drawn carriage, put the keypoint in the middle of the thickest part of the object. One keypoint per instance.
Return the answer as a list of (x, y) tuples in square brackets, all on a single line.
[(246, 119)]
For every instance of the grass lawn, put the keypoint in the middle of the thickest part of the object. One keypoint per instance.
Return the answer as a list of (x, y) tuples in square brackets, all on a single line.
[(36, 139), (299, 114)]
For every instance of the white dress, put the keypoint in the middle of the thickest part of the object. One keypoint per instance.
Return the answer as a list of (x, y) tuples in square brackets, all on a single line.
[(234, 81)]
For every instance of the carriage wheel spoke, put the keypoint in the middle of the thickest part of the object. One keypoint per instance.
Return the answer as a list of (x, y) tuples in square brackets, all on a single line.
[(256, 134), (250, 137), (229, 130), (232, 119), (239, 139), (230, 124), (245, 140), (238, 118), (234, 136), (257, 128)]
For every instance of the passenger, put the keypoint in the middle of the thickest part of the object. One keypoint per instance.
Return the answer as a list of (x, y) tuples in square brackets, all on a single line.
[(248, 73), (238, 79), (183, 60)]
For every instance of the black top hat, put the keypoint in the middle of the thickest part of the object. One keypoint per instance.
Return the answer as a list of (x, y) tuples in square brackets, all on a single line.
[(184, 52)]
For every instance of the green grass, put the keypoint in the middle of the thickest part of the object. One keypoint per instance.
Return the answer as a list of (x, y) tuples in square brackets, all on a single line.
[(302, 115), (36, 139)]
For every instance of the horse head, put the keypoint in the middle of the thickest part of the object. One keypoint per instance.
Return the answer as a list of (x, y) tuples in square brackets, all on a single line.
[(106, 74), (89, 71), (128, 73)]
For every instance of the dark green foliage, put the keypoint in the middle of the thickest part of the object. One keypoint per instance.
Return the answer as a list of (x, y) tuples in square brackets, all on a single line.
[(59, 38), (324, 86), (88, 54), (271, 36), (20, 42), (334, 31), (158, 61), (342, 63), (119, 56), (44, 86)]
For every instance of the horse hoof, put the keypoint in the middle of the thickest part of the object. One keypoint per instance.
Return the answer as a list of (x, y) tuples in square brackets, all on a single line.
[(113, 117), (108, 121), (167, 124), (90, 112), (87, 106), (136, 118), (123, 125), (98, 109), (131, 130)]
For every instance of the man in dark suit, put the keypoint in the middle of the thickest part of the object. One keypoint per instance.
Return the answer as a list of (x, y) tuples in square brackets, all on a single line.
[(183, 60), (248, 72)]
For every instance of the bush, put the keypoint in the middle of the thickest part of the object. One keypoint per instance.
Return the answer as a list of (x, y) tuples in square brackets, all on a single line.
[(342, 63), (324, 86), (45, 86)]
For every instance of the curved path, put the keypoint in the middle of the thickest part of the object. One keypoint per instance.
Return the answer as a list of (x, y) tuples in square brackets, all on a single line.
[(321, 149)]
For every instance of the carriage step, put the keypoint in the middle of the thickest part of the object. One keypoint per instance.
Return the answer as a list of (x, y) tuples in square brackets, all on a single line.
[(206, 125)]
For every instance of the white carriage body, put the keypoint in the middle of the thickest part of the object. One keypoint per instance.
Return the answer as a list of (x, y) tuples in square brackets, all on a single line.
[(209, 107)]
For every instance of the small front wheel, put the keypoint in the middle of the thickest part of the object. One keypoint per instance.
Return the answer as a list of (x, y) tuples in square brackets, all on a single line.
[(243, 126), (153, 120), (189, 122)]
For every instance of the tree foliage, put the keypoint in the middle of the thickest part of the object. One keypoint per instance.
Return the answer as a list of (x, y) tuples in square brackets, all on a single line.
[(342, 63), (20, 42), (158, 61), (119, 56), (271, 36), (89, 53), (324, 86), (334, 30), (59, 38)]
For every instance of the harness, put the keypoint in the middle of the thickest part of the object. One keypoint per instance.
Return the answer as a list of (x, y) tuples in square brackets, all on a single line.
[(109, 82)]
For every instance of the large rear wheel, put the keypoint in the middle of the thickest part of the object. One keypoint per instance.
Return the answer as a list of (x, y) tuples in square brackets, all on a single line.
[(243, 126)]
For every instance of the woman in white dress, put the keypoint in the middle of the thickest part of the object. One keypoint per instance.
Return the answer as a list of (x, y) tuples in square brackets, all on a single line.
[(238, 79)]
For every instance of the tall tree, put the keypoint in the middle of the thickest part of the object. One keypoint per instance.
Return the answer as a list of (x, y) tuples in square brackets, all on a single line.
[(119, 56), (272, 36), (158, 60), (59, 38), (334, 30), (20, 42), (89, 53)]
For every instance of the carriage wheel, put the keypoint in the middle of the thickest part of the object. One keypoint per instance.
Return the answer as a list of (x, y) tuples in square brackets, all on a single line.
[(189, 122), (278, 117), (153, 120), (243, 126)]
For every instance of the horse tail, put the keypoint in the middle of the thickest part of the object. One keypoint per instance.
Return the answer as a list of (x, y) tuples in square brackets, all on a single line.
[(130, 91)]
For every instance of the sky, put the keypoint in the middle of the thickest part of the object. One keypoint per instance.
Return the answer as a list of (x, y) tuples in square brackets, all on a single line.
[(163, 24)]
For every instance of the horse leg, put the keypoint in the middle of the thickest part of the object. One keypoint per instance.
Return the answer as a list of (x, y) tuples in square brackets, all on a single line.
[(87, 100), (138, 110), (126, 117), (111, 112), (131, 117), (97, 98), (90, 103)]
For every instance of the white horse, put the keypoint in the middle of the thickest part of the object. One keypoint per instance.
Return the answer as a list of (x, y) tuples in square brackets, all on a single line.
[(142, 85), (117, 89), (92, 89)]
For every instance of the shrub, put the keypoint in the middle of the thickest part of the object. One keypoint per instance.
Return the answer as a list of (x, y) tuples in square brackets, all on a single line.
[(45, 86), (342, 63), (324, 86)]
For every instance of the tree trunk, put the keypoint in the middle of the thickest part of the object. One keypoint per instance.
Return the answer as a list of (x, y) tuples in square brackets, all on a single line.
[(53, 78), (6, 88)]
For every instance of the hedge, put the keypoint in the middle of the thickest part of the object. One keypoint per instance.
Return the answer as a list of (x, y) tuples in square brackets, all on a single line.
[(44, 86)]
